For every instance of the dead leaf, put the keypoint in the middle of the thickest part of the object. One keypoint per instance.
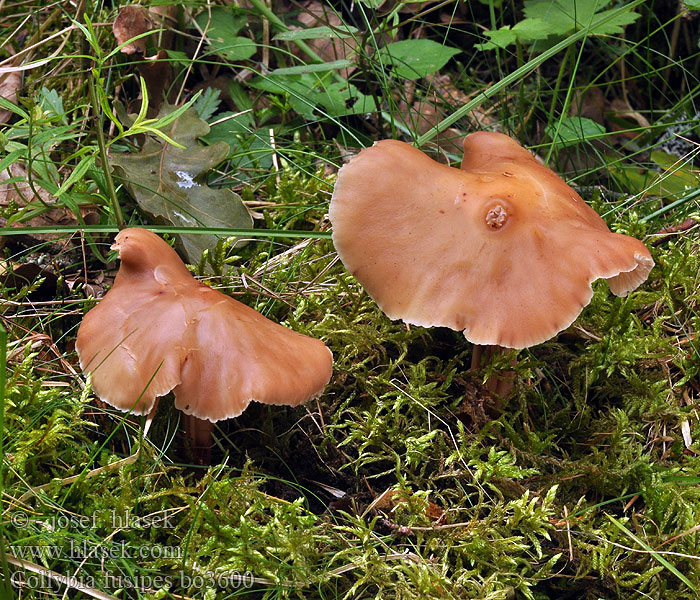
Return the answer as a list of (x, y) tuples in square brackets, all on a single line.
[(435, 513), (166, 182), (21, 194), (10, 84), (589, 104), (16, 276), (135, 20), (443, 85), (164, 16), (157, 73), (315, 14), (132, 21), (422, 116), (624, 120)]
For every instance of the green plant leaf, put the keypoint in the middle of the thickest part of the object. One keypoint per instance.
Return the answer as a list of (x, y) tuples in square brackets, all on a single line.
[(671, 178), (557, 18), (309, 92), (166, 183), (314, 68), (222, 33), (416, 58), (573, 130), (565, 16), (208, 103), (316, 33), (498, 38)]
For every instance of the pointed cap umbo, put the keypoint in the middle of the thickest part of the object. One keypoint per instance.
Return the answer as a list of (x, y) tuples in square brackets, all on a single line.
[(158, 329), (502, 248)]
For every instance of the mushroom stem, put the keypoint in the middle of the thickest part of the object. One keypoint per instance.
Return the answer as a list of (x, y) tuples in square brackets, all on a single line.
[(198, 433), (500, 384)]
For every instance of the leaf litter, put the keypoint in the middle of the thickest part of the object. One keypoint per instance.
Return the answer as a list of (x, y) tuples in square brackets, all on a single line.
[(169, 183)]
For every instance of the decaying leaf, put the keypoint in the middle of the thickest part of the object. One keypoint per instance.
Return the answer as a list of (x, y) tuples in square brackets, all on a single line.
[(18, 275), (10, 84), (157, 73), (166, 183), (329, 48), (18, 193), (422, 116), (133, 21), (130, 22)]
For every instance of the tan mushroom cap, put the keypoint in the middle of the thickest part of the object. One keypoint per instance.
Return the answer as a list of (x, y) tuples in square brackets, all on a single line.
[(160, 325), (503, 248)]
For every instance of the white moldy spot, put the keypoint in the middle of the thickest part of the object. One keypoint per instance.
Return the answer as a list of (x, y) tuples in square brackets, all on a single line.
[(186, 180), (183, 217)]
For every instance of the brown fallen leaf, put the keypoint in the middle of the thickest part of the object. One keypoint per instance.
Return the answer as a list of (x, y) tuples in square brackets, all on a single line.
[(156, 70), (421, 116), (20, 194), (315, 14), (624, 120), (10, 84), (164, 17), (135, 20), (16, 276), (132, 21), (157, 74)]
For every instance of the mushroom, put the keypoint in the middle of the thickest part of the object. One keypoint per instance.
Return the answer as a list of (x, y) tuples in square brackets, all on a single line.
[(159, 330), (502, 248)]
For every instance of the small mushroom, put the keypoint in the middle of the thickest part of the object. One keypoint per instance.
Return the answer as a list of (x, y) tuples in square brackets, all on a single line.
[(159, 330), (502, 248)]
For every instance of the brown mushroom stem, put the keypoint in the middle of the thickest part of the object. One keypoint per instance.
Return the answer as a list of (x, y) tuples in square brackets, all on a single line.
[(198, 433), (501, 384), (501, 249)]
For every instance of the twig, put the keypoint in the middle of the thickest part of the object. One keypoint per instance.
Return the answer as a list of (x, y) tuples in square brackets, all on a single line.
[(667, 232), (40, 488), (70, 582)]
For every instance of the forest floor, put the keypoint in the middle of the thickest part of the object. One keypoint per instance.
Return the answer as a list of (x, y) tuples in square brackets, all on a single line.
[(406, 478)]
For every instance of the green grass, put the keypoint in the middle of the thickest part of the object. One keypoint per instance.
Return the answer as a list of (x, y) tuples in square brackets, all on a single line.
[(403, 480)]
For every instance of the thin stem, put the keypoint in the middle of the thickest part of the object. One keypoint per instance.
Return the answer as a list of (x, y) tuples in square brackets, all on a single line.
[(116, 208), (563, 68), (3, 366), (277, 22)]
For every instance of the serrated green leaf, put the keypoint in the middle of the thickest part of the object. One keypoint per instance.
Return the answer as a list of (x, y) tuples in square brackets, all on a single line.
[(498, 38), (51, 102), (166, 183), (416, 58), (556, 18), (208, 103), (565, 16), (222, 33), (310, 92)]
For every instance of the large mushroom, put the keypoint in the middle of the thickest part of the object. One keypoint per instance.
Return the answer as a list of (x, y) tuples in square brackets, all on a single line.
[(159, 330), (502, 248)]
